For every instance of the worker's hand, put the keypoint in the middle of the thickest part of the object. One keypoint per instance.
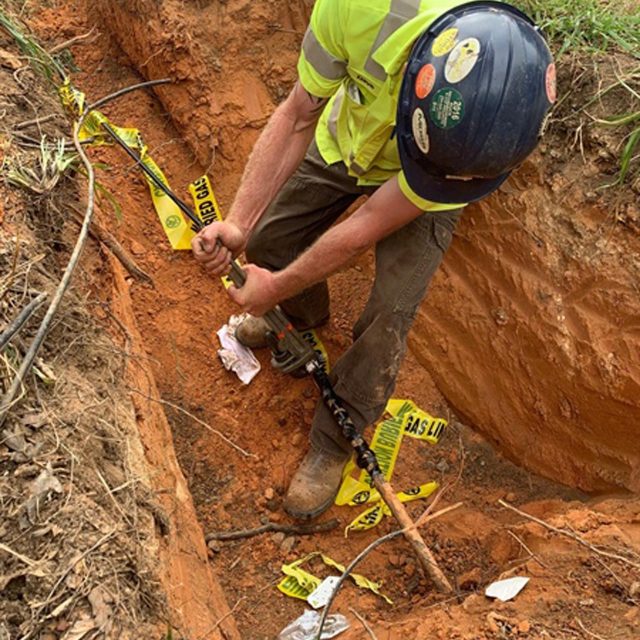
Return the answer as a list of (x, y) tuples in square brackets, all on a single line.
[(259, 293), (216, 245)]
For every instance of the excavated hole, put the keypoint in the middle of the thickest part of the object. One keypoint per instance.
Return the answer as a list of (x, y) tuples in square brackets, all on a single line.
[(228, 86)]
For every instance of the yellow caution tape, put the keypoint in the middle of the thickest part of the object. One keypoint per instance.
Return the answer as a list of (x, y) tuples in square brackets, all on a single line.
[(373, 516), (360, 580), (207, 208), (312, 337), (300, 584), (175, 227), (417, 423), (386, 445)]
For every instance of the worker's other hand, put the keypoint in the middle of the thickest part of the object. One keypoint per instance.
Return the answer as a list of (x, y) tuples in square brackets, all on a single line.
[(258, 294), (216, 245)]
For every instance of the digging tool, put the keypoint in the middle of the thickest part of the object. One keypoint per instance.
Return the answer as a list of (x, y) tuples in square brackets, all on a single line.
[(291, 352)]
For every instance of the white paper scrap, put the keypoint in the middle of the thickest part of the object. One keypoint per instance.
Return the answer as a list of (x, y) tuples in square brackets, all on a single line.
[(320, 596), (505, 590), (235, 356)]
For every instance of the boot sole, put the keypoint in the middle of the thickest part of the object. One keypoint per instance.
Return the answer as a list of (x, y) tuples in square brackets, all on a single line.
[(309, 515)]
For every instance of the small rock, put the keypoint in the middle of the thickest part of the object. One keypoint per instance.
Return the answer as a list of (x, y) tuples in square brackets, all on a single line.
[(634, 589), (203, 131), (511, 497), (443, 466), (524, 626), (500, 316), (278, 537), (136, 248), (296, 439), (276, 517), (409, 570), (394, 560), (587, 603), (273, 504), (214, 546), (269, 493), (309, 405), (633, 614), (288, 544), (470, 579)]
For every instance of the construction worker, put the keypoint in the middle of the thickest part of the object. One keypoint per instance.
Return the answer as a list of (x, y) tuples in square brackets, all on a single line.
[(423, 106)]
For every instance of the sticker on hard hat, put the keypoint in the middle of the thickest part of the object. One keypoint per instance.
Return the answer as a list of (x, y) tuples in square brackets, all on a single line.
[(447, 108), (462, 60), (420, 135), (444, 42), (425, 80), (550, 82)]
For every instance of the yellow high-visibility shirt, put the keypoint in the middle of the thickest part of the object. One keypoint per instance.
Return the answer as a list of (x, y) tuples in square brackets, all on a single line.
[(355, 51)]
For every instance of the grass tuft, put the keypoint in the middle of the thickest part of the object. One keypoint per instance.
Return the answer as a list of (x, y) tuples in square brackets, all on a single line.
[(586, 26), (40, 58)]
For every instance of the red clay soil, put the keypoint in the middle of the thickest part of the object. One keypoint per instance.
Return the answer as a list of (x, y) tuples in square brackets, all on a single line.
[(574, 591), (540, 286)]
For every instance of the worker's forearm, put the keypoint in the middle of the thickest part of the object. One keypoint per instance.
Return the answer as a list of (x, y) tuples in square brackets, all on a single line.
[(275, 156), (383, 213), (333, 250)]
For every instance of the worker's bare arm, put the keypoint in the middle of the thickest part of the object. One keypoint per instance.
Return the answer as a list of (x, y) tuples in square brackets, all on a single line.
[(275, 156), (384, 212)]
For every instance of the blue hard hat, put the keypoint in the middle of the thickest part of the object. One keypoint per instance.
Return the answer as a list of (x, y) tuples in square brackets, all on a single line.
[(476, 90)]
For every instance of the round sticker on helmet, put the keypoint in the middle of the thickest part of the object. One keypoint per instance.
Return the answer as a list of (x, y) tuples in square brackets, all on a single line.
[(462, 60), (550, 82), (419, 125), (447, 108), (424, 80), (444, 42)]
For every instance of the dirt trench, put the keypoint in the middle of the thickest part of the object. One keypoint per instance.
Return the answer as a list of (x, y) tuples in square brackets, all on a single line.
[(513, 313), (540, 285)]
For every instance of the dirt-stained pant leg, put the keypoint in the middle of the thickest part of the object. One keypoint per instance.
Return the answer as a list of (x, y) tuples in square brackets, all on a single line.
[(364, 377), (308, 204)]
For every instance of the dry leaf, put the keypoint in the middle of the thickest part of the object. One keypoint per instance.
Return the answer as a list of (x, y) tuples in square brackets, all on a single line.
[(79, 629)]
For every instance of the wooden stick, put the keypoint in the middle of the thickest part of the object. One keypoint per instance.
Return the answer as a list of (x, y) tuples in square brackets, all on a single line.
[(364, 623), (9, 398), (570, 534), (100, 234), (365, 552), (426, 558), (299, 530), (20, 319)]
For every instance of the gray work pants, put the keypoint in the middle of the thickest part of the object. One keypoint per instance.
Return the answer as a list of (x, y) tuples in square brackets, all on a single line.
[(364, 377)]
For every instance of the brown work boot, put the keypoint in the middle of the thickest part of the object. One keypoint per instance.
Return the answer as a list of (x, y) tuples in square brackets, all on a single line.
[(252, 332), (314, 485)]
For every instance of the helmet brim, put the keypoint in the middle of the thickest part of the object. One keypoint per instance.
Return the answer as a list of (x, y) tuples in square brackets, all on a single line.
[(446, 190)]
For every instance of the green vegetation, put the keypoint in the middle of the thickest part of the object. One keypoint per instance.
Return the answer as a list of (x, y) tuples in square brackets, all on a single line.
[(587, 26), (40, 58)]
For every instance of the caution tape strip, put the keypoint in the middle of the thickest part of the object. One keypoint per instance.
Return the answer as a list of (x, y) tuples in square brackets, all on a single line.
[(178, 232), (300, 584), (405, 418)]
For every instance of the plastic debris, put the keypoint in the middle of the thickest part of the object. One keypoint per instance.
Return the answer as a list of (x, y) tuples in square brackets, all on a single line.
[(235, 356), (505, 590), (321, 595), (306, 626)]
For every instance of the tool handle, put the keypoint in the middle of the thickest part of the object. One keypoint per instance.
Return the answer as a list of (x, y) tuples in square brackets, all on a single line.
[(412, 535)]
